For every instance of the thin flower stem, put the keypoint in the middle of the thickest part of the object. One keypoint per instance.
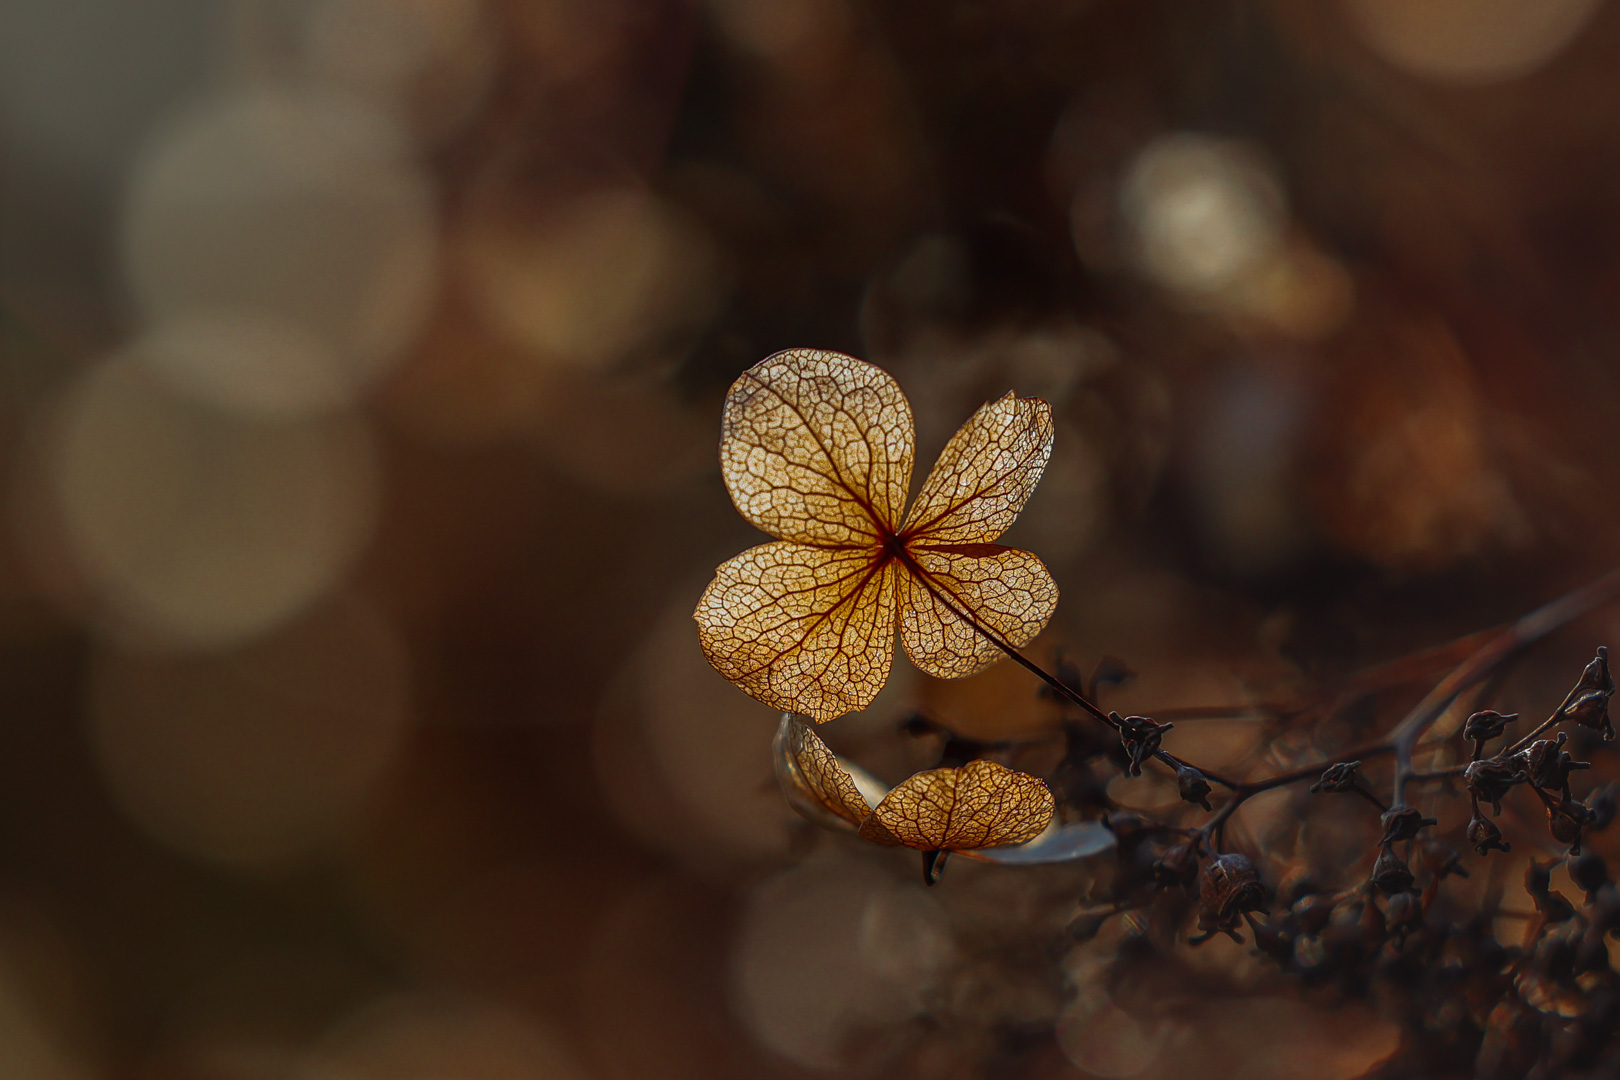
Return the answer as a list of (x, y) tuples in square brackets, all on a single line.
[(1001, 643), (1438, 774), (1053, 681), (1370, 797), (1498, 647), (1531, 737)]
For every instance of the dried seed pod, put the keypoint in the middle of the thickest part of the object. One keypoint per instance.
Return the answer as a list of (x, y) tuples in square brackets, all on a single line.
[(1486, 725), (1567, 819), (1340, 776), (1403, 823), (1485, 836), (1194, 788), (1178, 866), (1141, 736), (1390, 874), (1549, 764), (1588, 703), (1228, 888), (1491, 779)]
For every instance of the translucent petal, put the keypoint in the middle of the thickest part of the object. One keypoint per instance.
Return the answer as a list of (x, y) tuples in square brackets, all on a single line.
[(804, 629), (813, 779), (1006, 590), (817, 447), (986, 473), (982, 804)]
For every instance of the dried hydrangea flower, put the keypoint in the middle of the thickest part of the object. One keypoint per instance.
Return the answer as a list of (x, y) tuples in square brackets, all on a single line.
[(817, 450)]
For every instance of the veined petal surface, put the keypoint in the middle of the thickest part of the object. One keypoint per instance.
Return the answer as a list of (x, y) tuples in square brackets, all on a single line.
[(812, 778), (982, 804), (804, 629), (985, 474), (1008, 591), (818, 447)]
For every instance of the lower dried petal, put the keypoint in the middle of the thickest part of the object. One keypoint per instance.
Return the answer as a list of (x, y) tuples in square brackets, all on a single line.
[(982, 804), (812, 779)]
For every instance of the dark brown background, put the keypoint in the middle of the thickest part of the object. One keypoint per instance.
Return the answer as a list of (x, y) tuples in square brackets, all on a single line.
[(362, 364)]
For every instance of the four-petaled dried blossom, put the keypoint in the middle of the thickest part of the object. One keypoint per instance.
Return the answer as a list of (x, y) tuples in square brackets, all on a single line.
[(816, 449), (1485, 836), (1390, 874), (1141, 736), (1228, 888), (1486, 725), (1588, 703), (1340, 776), (1549, 764), (1490, 780), (1403, 823), (1192, 785)]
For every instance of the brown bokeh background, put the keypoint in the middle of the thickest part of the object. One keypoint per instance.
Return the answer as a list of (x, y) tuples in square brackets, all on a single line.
[(361, 367)]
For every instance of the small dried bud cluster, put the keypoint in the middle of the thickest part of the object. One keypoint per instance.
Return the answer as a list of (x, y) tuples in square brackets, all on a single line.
[(1228, 889), (1192, 785), (1485, 725), (1403, 823), (1141, 737), (1337, 778), (1491, 779), (1588, 704)]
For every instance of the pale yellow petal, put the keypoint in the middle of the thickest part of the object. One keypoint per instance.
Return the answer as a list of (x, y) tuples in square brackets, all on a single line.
[(1007, 591), (817, 447), (982, 804), (813, 779), (805, 629), (986, 473)]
